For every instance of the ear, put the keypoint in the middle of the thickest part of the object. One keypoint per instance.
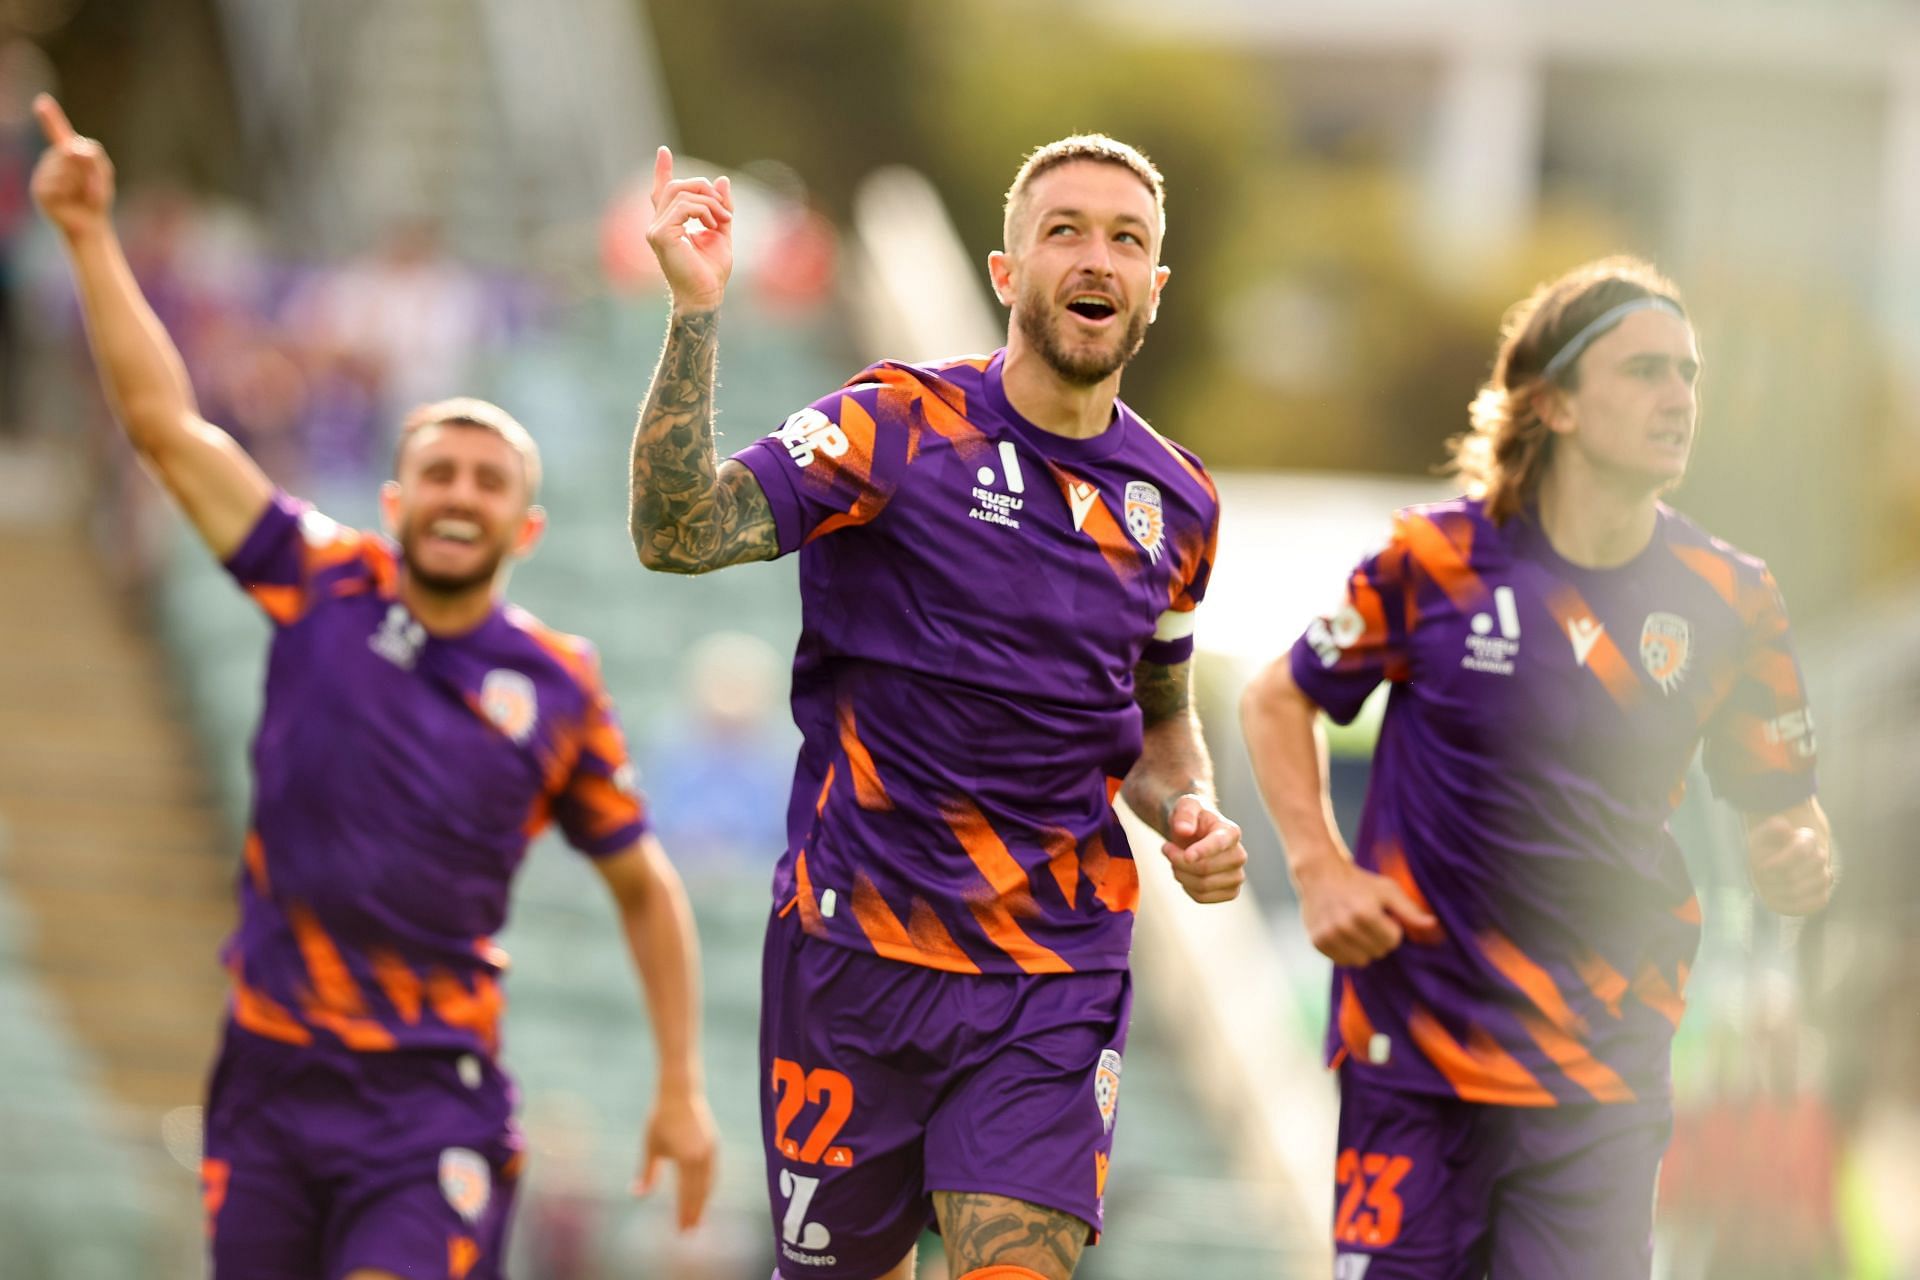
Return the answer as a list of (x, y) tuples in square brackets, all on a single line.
[(390, 507), (1553, 407), (1160, 275), (532, 526), (1000, 275)]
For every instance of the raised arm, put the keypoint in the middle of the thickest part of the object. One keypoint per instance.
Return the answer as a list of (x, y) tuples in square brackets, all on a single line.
[(219, 488), (687, 511), (1171, 787)]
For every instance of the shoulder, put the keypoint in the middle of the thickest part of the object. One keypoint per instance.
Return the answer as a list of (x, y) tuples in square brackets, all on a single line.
[(1743, 581), (573, 655), (1462, 522), (1176, 460)]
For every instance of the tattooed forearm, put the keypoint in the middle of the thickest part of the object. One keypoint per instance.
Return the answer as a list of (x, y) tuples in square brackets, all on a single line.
[(686, 512), (982, 1230), (1173, 756)]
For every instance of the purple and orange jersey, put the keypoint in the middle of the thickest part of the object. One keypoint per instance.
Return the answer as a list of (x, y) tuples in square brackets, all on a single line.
[(976, 593), (1540, 724), (399, 778)]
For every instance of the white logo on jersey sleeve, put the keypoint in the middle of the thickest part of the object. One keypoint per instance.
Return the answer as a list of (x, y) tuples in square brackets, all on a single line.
[(809, 433)]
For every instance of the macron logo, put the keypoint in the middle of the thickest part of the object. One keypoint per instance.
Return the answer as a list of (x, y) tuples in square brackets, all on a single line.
[(1585, 633)]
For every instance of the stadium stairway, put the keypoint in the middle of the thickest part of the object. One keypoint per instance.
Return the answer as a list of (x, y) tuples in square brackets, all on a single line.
[(110, 910)]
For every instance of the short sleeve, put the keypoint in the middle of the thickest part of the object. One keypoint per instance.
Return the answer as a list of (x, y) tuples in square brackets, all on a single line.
[(292, 551), (1172, 641), (834, 464), (599, 808), (1344, 655), (1759, 751)]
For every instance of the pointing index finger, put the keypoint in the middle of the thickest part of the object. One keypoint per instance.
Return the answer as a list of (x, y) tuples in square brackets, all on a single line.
[(662, 172), (53, 121)]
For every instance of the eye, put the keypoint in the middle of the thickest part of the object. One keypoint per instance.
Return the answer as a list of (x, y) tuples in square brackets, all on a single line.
[(1689, 372), (1059, 227), (1131, 237)]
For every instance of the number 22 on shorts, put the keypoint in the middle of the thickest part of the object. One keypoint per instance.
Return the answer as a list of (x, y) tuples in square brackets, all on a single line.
[(793, 1089), (1370, 1211)]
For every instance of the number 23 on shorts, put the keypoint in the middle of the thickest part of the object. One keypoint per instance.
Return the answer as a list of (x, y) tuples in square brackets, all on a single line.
[(794, 1087), (1370, 1211)]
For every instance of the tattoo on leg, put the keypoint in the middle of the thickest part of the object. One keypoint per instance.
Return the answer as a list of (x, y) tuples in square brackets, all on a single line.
[(981, 1230)]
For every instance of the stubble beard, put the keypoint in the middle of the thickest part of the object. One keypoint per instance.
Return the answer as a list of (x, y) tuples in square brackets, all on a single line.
[(1083, 368)]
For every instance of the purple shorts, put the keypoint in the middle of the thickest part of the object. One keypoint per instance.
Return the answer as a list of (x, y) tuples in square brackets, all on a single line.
[(318, 1163), (889, 1081), (1433, 1188)]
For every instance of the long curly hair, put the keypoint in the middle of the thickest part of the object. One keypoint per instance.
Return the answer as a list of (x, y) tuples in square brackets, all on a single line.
[(1501, 457)]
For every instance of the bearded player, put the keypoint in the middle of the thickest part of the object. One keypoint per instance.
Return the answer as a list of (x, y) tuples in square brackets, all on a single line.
[(999, 564), (1512, 932), (417, 732)]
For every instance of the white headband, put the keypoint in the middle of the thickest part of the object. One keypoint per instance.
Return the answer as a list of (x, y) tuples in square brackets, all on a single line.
[(1567, 354)]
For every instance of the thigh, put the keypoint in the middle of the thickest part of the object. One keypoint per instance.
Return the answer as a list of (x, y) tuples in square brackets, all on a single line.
[(265, 1213), (426, 1183), (1031, 1119), (842, 1116), (1413, 1184), (1578, 1199)]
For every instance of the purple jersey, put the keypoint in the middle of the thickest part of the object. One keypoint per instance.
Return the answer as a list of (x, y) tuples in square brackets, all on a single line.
[(398, 778), (976, 592), (1541, 722)]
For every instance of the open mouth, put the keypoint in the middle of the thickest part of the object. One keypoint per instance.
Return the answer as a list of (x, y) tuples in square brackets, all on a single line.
[(449, 529), (1092, 307), (1672, 439)]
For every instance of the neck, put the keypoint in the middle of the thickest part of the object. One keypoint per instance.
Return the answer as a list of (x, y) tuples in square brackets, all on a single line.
[(443, 613), (1051, 403), (1592, 520)]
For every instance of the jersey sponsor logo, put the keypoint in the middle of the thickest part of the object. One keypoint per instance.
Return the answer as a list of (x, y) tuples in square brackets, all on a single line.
[(1106, 1087), (398, 638), (1332, 637), (802, 1241), (810, 433), (1146, 520), (1584, 633), (509, 701), (1490, 653), (1663, 648), (994, 505), (1794, 730), (466, 1182)]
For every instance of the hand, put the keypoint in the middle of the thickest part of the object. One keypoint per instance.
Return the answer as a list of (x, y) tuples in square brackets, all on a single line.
[(1204, 848), (1353, 916), (73, 181), (681, 1129), (1792, 867), (696, 260)]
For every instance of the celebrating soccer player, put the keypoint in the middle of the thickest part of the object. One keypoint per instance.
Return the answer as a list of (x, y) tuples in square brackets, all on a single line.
[(1512, 933), (416, 732), (999, 564)]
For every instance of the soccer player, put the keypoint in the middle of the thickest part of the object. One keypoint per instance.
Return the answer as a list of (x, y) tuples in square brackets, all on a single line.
[(1511, 934), (417, 732), (999, 564)]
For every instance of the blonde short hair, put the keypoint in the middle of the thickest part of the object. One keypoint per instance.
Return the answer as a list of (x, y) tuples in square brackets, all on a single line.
[(467, 411), (1095, 147)]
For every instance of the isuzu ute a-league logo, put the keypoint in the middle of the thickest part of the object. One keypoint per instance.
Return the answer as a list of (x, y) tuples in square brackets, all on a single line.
[(990, 504), (1494, 654), (399, 638), (1664, 648)]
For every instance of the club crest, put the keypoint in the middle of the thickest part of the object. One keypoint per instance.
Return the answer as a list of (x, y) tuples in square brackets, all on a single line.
[(1664, 648), (1106, 1086), (1146, 521), (507, 699), (466, 1182)]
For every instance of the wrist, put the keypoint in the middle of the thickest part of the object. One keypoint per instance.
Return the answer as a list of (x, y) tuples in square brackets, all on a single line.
[(1172, 799), (680, 1083), (1311, 865), (694, 309)]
